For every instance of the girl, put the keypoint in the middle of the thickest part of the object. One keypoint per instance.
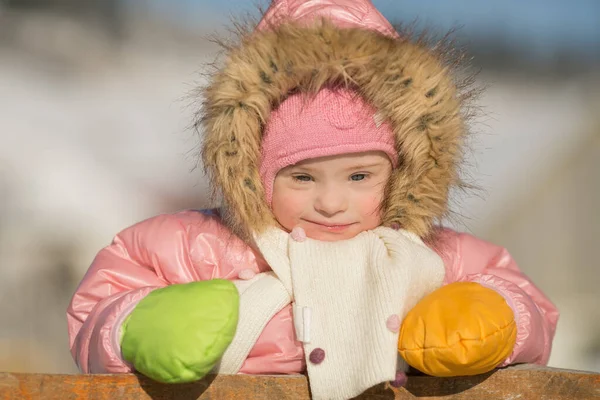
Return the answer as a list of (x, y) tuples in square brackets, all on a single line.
[(334, 142)]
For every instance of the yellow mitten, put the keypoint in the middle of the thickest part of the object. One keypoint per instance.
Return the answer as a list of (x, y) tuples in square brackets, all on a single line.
[(462, 328)]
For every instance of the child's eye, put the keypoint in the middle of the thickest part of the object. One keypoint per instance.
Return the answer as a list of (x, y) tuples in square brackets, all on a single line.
[(359, 177), (302, 178)]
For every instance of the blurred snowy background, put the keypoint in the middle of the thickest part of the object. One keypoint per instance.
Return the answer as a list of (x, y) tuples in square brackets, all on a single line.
[(94, 137)]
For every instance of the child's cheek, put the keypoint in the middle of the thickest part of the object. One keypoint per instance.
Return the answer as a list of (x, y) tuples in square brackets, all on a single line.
[(370, 209), (288, 207)]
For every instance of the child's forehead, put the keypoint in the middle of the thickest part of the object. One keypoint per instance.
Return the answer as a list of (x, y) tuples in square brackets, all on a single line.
[(345, 161)]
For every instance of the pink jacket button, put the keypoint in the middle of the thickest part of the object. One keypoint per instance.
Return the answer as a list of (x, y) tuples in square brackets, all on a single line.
[(317, 356), (246, 274), (298, 234), (400, 380), (393, 323)]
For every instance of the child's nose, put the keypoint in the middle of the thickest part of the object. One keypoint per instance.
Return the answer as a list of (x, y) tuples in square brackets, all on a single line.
[(331, 201)]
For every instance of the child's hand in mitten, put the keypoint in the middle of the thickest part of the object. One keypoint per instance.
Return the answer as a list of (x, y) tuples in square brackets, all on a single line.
[(462, 328), (178, 333)]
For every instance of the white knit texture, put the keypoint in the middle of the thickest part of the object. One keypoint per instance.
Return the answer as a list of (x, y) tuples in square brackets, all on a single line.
[(260, 299), (352, 287)]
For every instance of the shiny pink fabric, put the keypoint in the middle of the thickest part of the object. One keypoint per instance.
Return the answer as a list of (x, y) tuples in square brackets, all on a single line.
[(345, 13), (193, 245)]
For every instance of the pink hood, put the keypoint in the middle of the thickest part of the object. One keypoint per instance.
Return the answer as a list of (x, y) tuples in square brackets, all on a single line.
[(303, 46)]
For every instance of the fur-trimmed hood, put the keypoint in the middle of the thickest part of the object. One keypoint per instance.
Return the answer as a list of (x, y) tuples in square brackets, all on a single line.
[(303, 45)]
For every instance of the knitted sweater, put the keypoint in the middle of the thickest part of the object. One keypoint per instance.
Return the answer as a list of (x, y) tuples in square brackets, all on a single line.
[(344, 294)]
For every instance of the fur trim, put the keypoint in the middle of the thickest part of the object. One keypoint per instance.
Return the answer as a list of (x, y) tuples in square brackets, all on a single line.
[(410, 84)]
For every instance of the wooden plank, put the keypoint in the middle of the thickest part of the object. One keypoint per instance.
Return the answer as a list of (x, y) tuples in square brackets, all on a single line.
[(522, 382)]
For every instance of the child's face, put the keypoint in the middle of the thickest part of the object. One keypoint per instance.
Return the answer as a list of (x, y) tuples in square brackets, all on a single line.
[(332, 198)]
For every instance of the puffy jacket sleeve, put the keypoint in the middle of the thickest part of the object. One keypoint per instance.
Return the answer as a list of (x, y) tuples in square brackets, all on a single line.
[(467, 258), (163, 250)]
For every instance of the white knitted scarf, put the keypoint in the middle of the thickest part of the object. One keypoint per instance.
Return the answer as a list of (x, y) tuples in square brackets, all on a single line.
[(344, 294)]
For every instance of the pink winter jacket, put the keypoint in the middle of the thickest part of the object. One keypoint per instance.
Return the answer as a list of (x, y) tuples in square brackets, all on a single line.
[(194, 245)]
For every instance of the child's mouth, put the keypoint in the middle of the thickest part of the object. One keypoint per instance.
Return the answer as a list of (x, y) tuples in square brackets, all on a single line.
[(332, 227)]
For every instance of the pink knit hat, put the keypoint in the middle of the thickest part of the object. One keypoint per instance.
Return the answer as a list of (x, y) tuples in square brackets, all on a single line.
[(333, 122)]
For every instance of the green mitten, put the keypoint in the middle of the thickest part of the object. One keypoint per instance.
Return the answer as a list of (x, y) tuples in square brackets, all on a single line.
[(178, 333)]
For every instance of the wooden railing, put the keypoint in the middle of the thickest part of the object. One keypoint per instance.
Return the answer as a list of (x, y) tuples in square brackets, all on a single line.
[(518, 382)]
